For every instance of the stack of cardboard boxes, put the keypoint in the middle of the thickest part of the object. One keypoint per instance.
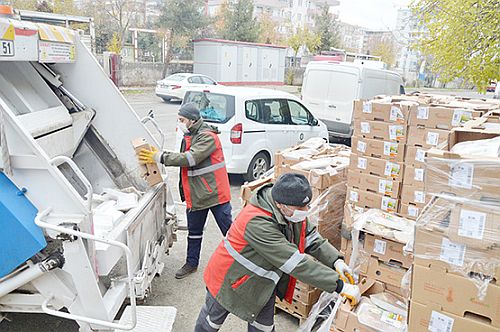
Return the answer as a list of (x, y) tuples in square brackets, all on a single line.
[(376, 169), (325, 166), (429, 127), (457, 257)]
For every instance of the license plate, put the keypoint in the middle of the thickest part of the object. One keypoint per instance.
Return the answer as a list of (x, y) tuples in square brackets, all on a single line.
[(6, 48)]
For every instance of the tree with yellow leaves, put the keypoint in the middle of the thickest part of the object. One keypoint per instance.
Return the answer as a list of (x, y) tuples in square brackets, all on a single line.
[(462, 38)]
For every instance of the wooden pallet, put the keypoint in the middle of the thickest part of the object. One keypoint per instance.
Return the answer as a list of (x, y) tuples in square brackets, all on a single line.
[(297, 315)]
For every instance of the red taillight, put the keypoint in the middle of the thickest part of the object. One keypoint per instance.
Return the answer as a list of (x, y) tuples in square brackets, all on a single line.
[(236, 133), (176, 87)]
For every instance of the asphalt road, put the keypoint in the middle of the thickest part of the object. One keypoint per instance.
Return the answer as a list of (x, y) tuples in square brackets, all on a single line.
[(186, 295)]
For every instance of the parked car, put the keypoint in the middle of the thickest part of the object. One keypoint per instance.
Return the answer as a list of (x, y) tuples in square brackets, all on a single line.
[(329, 89), (254, 124), (174, 86), (492, 86)]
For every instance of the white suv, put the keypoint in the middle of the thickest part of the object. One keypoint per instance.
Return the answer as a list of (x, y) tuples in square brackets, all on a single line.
[(254, 124)]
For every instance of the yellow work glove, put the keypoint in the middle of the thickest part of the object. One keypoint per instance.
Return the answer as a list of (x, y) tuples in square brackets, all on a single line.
[(149, 156), (352, 293), (344, 271)]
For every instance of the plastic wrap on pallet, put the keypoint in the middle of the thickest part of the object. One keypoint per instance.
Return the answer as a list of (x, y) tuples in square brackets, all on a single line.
[(388, 226), (320, 314), (326, 212), (474, 179), (461, 236)]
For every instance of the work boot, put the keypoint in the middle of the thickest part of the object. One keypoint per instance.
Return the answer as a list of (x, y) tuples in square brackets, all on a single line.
[(184, 271)]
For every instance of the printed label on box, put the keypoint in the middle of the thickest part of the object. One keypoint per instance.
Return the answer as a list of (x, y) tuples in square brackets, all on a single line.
[(379, 247), (420, 155), (413, 211), (365, 127), (392, 319), (419, 174), (367, 107), (396, 114), (388, 204), (460, 116), (392, 169), (396, 132), (452, 253), (419, 196), (440, 322), (354, 196), (385, 186), (432, 138), (362, 162), (390, 149), (472, 224), (423, 113), (361, 147), (461, 175)]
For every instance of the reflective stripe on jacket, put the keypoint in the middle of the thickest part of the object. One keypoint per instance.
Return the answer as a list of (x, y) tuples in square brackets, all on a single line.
[(204, 180), (259, 255)]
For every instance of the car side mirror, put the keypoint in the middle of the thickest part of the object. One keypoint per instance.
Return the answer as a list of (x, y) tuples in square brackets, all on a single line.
[(314, 122)]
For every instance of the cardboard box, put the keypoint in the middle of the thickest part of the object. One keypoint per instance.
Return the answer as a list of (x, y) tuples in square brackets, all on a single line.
[(306, 293), (321, 179), (383, 110), (391, 274), (367, 200), (347, 319), (427, 137), (387, 150), (415, 156), (455, 294), (431, 318), (380, 130), (470, 223), (376, 166), (248, 187), (441, 117), (375, 184), (387, 250), (414, 196), (462, 175), (409, 211), (150, 172), (435, 250), (414, 176)]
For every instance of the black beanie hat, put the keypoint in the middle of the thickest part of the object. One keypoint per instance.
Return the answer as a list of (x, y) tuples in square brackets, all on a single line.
[(292, 189), (189, 111)]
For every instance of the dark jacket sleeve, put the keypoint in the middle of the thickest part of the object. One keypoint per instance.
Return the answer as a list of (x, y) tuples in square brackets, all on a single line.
[(201, 149), (267, 240), (320, 248)]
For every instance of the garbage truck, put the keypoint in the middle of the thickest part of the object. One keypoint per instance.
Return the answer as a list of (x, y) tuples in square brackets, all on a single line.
[(83, 233)]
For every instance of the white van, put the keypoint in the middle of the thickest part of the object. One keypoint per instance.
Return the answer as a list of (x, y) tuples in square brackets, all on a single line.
[(329, 89)]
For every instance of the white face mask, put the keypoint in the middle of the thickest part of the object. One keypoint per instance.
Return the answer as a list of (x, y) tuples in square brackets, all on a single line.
[(182, 127), (297, 215)]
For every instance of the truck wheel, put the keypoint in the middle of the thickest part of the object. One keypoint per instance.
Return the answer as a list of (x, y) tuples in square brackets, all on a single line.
[(167, 100), (259, 165)]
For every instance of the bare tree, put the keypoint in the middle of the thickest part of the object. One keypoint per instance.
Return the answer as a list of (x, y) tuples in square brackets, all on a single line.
[(122, 13)]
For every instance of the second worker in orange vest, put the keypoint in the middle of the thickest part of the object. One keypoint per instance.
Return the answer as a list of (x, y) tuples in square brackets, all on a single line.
[(204, 181)]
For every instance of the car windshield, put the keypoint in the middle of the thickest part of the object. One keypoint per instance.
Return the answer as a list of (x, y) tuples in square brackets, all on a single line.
[(214, 107), (175, 77)]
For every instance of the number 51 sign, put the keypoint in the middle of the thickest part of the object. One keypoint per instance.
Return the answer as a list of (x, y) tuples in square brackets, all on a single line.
[(6, 48)]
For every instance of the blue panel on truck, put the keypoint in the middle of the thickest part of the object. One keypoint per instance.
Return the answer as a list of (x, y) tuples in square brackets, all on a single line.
[(20, 238)]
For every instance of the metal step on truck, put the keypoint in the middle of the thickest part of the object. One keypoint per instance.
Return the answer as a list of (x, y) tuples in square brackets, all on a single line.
[(82, 233)]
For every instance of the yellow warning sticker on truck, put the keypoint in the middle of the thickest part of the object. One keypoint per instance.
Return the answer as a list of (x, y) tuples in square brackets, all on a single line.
[(7, 30)]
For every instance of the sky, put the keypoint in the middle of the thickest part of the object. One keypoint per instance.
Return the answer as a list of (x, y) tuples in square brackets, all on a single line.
[(372, 14)]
